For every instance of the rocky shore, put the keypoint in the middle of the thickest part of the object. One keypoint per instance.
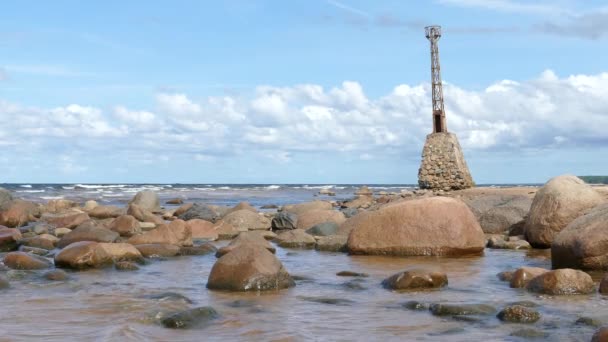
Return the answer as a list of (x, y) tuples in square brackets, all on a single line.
[(565, 219)]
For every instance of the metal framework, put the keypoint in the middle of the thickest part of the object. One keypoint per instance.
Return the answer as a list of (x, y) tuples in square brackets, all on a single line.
[(433, 33)]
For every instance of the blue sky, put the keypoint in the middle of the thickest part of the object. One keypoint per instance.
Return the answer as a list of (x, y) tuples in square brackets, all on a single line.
[(315, 91)]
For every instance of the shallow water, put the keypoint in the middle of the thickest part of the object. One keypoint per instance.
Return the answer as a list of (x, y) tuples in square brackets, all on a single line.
[(113, 305)]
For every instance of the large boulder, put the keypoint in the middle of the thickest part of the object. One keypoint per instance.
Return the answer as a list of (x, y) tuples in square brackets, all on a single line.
[(9, 238), (225, 231), (125, 225), (522, 276), (499, 213), (332, 243), (202, 229), (143, 215), (88, 231), (25, 261), (434, 226), (56, 206), (324, 229), (44, 241), (284, 220), (89, 254), (583, 243), (301, 208), (564, 281), (312, 218), (249, 268), (69, 220), (295, 238), (175, 233), (415, 279), (158, 250), (105, 211), (18, 213), (561, 200), (241, 206), (147, 200), (246, 238), (198, 211), (244, 220)]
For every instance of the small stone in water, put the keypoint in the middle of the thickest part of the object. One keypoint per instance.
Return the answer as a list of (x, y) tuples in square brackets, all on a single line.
[(327, 300), (461, 309), (170, 296), (126, 266), (415, 305), (529, 333), (351, 274), (56, 275), (518, 314), (592, 322), (192, 318), (4, 284)]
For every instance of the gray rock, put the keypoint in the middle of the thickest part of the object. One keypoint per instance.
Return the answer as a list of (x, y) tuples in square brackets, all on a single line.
[(461, 309), (333, 243), (147, 200), (193, 318), (529, 333), (200, 211), (350, 212), (323, 229), (126, 266), (88, 231), (56, 275), (351, 274), (518, 314), (415, 280), (284, 220)]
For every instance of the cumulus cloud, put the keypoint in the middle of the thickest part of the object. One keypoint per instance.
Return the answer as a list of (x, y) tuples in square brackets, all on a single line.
[(279, 123)]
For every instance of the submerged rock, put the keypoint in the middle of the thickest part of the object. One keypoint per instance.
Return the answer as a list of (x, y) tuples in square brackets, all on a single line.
[(4, 284), (562, 282), (522, 276), (9, 238), (25, 261), (332, 243), (147, 200), (327, 300), (351, 274), (415, 305), (296, 238), (461, 309), (323, 229), (89, 254), (162, 250), (415, 280), (529, 333), (203, 249), (518, 314), (171, 296), (246, 238), (604, 285), (126, 266), (284, 220), (56, 275), (192, 318)]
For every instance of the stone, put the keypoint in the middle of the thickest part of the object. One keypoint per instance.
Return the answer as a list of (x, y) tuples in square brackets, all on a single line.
[(349, 212), (33, 250), (359, 202), (461, 309), (415, 279), (126, 266), (518, 314), (158, 250), (87, 231), (562, 282), (312, 218), (327, 192), (413, 227), (89, 254), (241, 206), (191, 318), (600, 335), (41, 229), (246, 238), (583, 244), (203, 249), (89, 205), (182, 209), (4, 284), (604, 285), (250, 267), (332, 243), (18, 213), (522, 276), (244, 220), (146, 226), (225, 231), (443, 155), (561, 200), (105, 211), (175, 201), (44, 241), (202, 229), (323, 229), (499, 213), (143, 215), (60, 232), (9, 238), (125, 225), (529, 333), (364, 191), (352, 274), (5, 198), (284, 220), (307, 206), (296, 238), (25, 261), (198, 211), (505, 276), (69, 220), (147, 200), (175, 233), (59, 205), (56, 275)]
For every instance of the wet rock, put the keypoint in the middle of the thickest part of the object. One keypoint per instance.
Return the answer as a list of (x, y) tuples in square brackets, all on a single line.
[(125, 225), (67, 220), (147, 200), (333, 243), (105, 211), (588, 321), (202, 229), (499, 213), (323, 229), (203, 249), (518, 314), (561, 200), (327, 192), (225, 231), (415, 305), (44, 241), (354, 285), (250, 267), (268, 235), (604, 285), (284, 220), (522, 276), (18, 213), (9, 238), (198, 211), (583, 244), (192, 318), (600, 335), (352, 274), (245, 220), (307, 206), (143, 215), (89, 205), (246, 238), (157, 250), (60, 232), (562, 282), (175, 201), (312, 218), (526, 303), (349, 212), (147, 226), (529, 333), (461, 309), (4, 284), (413, 228), (40, 229), (56, 275), (327, 300), (296, 238), (33, 250), (170, 296), (505, 276), (415, 280), (126, 266), (87, 231), (175, 233), (25, 261), (88, 254)]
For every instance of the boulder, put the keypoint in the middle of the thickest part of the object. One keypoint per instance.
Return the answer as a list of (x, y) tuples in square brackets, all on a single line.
[(312, 218), (158, 250), (332, 243), (198, 211), (204, 249), (241, 206), (364, 191), (324, 229), (182, 209), (499, 213), (87, 231), (225, 231), (147, 200), (522, 276), (44, 241), (604, 285), (89, 254), (175, 233), (202, 229), (583, 244), (564, 281), (307, 206), (5, 198), (246, 238), (59, 205), (25, 261), (175, 201), (18, 213), (561, 200), (415, 280), (433, 226), (244, 220), (296, 238), (250, 267), (284, 220), (143, 215), (191, 318), (105, 211), (9, 238), (59, 232), (69, 220), (359, 202), (56, 275), (125, 225), (89, 205), (518, 314)]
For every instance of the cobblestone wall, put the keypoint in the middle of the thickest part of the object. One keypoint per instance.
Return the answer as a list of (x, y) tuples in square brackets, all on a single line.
[(443, 165)]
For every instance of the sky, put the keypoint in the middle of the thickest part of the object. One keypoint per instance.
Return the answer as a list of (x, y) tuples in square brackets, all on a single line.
[(302, 91)]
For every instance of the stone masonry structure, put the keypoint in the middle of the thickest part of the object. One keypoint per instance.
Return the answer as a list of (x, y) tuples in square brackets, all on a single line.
[(443, 166)]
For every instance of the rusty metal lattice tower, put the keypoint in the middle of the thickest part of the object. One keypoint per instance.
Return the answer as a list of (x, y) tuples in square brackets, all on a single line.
[(433, 33)]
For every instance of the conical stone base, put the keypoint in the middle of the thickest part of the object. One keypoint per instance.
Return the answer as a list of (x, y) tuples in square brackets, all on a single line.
[(443, 166)]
